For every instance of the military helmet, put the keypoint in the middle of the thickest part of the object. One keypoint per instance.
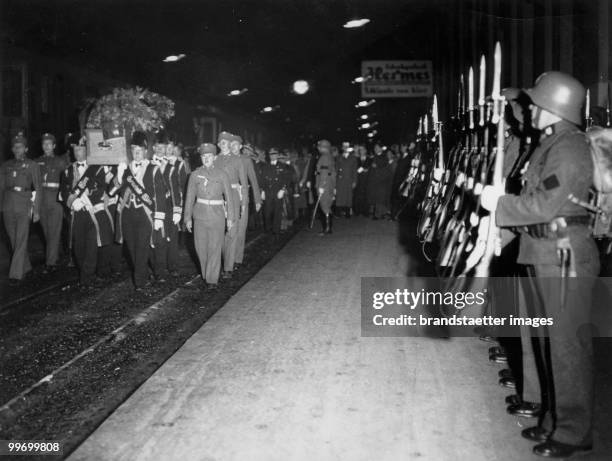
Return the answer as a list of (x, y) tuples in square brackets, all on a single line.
[(560, 94)]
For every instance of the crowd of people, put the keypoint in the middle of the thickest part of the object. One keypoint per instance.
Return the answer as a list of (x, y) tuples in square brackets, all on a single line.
[(139, 208)]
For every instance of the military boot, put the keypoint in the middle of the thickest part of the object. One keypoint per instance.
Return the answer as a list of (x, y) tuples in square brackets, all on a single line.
[(328, 223)]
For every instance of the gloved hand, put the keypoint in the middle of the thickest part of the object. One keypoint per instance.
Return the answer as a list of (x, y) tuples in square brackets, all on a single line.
[(280, 194), (308, 184), (189, 225), (263, 195), (490, 196), (230, 224), (321, 191), (120, 170), (78, 204), (438, 174), (35, 217), (176, 218), (258, 206), (158, 224)]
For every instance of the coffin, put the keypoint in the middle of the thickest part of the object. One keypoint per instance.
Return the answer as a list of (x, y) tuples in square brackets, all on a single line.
[(102, 151)]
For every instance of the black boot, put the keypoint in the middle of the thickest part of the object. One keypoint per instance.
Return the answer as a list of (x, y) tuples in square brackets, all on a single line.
[(322, 218), (328, 223)]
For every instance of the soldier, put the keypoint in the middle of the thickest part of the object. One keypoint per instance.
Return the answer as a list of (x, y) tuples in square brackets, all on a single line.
[(20, 186), (276, 181), (346, 180), (141, 210), (235, 147), (235, 170), (82, 190), (360, 196), (206, 212), (379, 183), (51, 211), (554, 230), (178, 174), (325, 184)]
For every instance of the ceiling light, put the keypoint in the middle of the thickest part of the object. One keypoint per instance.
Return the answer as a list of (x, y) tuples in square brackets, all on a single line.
[(365, 125), (365, 103), (269, 109), (174, 58), (237, 92), (354, 23), (364, 117), (301, 87), (358, 80)]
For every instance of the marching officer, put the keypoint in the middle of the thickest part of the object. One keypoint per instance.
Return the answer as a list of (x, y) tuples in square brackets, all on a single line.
[(346, 180), (236, 149), (82, 189), (178, 175), (20, 202), (51, 211), (325, 184), (276, 181), (209, 206), (555, 243), (141, 209), (235, 170)]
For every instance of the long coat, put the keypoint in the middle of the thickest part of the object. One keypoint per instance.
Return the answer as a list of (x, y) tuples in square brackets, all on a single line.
[(379, 181), (346, 180)]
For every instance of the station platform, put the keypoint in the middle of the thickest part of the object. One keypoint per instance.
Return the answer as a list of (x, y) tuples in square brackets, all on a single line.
[(281, 372)]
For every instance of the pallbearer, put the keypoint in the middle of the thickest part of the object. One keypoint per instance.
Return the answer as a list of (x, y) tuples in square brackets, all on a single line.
[(326, 184), (139, 220), (51, 211), (19, 202), (234, 168), (209, 204), (236, 148)]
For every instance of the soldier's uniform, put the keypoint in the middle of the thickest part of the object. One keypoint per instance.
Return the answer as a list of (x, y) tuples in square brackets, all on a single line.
[(51, 211), (235, 170), (142, 202), (274, 178), (90, 224), (20, 202), (246, 191), (177, 178), (209, 201), (559, 166), (346, 181), (326, 180)]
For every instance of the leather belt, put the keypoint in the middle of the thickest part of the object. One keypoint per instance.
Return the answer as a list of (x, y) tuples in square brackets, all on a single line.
[(544, 230), (51, 185), (205, 201), (236, 186), (19, 189)]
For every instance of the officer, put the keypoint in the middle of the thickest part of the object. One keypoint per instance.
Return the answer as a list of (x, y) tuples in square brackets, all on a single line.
[(555, 242), (20, 202), (141, 209), (110, 255), (51, 211), (159, 254), (82, 190), (236, 149), (177, 178), (276, 181), (209, 206), (346, 180), (325, 184), (234, 168)]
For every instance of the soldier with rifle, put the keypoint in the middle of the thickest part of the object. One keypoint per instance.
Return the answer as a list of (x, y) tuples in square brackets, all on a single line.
[(556, 248)]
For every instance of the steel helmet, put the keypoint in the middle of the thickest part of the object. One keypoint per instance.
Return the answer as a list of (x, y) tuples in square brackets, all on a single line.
[(560, 94)]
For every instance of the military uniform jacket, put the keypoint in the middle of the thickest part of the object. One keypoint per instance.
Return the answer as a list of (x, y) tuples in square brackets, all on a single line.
[(180, 171), (559, 166), (326, 173), (144, 189), (91, 188), (209, 184), (51, 169), (252, 177), (18, 179), (275, 178), (346, 178)]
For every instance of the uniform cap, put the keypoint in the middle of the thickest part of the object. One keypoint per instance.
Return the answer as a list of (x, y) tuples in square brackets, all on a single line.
[(139, 138), (19, 139), (224, 135), (161, 137), (235, 137), (273, 150), (207, 148), (560, 94), (324, 143), (48, 137)]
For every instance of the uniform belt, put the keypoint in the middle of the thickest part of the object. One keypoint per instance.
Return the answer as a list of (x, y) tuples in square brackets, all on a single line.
[(51, 185), (544, 230), (236, 186), (205, 201), (19, 189)]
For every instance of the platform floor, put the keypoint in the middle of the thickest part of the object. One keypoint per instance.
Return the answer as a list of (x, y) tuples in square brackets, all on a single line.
[(282, 373)]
